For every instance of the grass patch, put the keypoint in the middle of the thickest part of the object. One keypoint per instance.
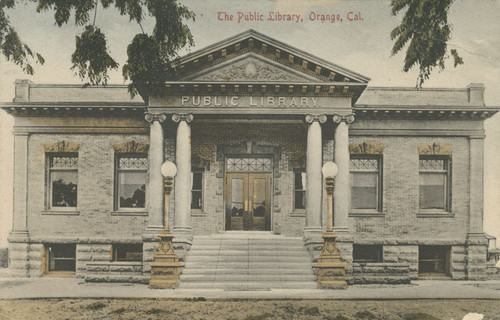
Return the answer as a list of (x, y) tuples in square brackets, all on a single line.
[(154, 311), (365, 315), (119, 311), (314, 311), (96, 306), (337, 317), (259, 317), (419, 316)]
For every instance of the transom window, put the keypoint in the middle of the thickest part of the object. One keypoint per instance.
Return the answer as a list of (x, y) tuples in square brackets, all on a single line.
[(63, 180), (131, 175), (434, 182), (366, 183), (248, 164)]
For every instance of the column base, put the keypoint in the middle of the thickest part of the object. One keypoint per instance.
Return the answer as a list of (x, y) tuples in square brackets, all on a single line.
[(313, 241), (183, 239), (165, 268), (331, 269)]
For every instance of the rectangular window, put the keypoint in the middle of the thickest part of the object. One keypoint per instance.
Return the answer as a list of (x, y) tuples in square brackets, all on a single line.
[(367, 253), (300, 189), (62, 180), (197, 189), (366, 183), (59, 258), (131, 177), (434, 183), (433, 260), (127, 252)]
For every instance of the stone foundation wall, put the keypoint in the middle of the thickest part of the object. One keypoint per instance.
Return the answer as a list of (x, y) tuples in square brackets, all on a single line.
[(384, 272)]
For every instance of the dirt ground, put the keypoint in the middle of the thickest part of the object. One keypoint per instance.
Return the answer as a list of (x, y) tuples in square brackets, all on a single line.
[(199, 308)]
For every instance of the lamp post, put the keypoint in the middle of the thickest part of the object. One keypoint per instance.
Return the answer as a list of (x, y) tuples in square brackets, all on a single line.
[(331, 268), (165, 267)]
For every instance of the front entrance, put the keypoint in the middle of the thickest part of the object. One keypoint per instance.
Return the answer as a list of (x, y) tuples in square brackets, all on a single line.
[(248, 201)]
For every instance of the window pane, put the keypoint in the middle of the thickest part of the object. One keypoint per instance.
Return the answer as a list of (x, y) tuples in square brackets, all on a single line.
[(197, 180), (132, 189), (237, 197), (64, 188), (128, 252), (62, 257), (364, 190), (367, 253), (432, 190), (300, 181), (300, 199), (196, 199)]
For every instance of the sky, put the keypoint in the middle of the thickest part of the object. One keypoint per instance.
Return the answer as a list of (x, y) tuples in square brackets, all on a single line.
[(362, 45)]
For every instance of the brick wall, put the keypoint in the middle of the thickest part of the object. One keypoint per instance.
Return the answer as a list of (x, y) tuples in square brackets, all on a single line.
[(95, 192)]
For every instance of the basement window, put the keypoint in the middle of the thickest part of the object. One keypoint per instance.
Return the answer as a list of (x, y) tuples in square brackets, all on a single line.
[(367, 253), (59, 259), (127, 252), (433, 261)]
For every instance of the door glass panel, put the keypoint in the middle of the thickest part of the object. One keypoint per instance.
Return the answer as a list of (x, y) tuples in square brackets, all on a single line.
[(259, 197), (237, 201)]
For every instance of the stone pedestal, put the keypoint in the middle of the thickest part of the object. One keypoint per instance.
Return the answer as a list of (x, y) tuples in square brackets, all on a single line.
[(165, 268), (331, 269)]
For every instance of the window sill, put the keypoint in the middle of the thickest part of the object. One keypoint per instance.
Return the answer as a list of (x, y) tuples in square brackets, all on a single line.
[(129, 213), (298, 213), (61, 212), (198, 213), (366, 214), (435, 214)]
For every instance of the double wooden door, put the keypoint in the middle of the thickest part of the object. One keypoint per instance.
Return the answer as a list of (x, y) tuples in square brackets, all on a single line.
[(247, 198)]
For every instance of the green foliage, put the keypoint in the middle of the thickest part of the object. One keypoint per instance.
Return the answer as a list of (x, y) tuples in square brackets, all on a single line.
[(91, 58), (425, 32), (11, 45), (150, 56)]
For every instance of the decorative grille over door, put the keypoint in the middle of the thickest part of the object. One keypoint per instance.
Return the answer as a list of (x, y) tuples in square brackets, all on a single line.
[(248, 164)]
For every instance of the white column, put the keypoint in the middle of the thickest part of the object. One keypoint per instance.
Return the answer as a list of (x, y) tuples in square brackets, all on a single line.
[(313, 172), (156, 158), (182, 188), (342, 188)]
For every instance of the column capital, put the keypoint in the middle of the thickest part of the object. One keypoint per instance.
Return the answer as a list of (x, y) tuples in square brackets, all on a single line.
[(347, 118), (151, 117), (177, 117), (310, 118)]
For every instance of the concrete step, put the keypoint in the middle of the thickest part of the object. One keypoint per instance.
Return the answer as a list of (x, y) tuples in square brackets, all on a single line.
[(274, 272), (243, 258), (254, 286), (245, 277)]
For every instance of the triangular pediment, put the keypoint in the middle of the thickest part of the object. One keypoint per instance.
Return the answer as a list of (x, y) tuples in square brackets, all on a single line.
[(251, 67), (252, 56)]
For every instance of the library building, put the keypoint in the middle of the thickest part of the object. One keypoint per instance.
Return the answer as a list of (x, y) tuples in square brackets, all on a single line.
[(249, 123)]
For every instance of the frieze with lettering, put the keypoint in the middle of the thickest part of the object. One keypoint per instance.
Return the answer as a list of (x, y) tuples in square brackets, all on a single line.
[(250, 101)]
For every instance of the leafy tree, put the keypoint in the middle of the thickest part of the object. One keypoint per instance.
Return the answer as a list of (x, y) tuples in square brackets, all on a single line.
[(150, 56), (425, 32)]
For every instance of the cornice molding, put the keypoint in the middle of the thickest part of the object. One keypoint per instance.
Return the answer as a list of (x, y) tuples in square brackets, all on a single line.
[(61, 146)]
